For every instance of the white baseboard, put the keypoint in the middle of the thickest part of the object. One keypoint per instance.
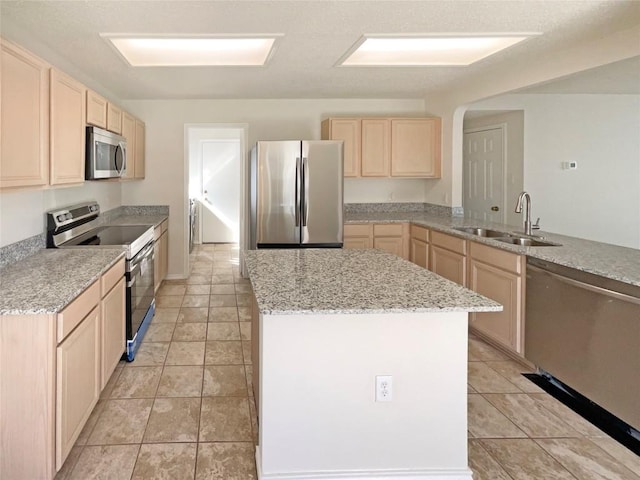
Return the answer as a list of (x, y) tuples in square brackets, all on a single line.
[(413, 474)]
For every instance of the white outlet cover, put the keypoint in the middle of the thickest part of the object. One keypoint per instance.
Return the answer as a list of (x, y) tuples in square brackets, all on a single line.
[(384, 388)]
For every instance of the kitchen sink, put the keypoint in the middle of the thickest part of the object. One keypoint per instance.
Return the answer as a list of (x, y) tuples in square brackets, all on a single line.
[(526, 242), (482, 232)]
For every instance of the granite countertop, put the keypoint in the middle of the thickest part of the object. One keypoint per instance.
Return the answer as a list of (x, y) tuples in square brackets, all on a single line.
[(125, 219), (334, 281), (47, 281), (610, 261)]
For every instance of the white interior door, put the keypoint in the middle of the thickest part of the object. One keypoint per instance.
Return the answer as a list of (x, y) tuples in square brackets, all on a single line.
[(220, 206), (483, 175)]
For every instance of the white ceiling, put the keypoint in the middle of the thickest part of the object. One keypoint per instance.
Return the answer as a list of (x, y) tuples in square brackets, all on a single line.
[(316, 35)]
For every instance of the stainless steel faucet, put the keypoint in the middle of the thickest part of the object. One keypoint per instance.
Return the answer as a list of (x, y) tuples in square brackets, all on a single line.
[(525, 197)]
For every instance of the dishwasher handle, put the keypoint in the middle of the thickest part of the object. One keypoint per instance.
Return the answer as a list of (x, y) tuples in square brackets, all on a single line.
[(586, 286)]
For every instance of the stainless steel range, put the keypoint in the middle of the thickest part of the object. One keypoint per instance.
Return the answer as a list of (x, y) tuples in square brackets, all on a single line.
[(81, 226)]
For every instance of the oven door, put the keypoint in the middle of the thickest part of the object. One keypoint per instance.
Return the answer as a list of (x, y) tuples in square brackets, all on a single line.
[(140, 291)]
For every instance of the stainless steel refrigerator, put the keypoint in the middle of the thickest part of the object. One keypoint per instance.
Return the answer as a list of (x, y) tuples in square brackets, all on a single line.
[(297, 194)]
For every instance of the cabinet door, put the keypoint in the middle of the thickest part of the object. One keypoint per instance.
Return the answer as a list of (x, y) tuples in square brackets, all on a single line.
[(114, 119), (156, 257), (505, 288), (376, 148), (357, 242), (415, 147), (129, 132), (96, 109), (139, 146), (389, 244), (164, 255), (419, 252), (77, 382), (112, 330), (448, 264), (347, 130), (68, 100), (24, 118)]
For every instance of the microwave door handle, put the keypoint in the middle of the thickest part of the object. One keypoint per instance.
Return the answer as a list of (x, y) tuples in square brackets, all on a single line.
[(122, 147)]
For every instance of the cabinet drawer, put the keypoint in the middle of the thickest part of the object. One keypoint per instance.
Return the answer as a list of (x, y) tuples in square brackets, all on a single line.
[(448, 242), (73, 314), (419, 233), (357, 230), (111, 277), (511, 262), (387, 230)]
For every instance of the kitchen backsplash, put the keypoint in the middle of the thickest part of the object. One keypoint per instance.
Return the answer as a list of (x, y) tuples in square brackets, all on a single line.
[(433, 209), (17, 251)]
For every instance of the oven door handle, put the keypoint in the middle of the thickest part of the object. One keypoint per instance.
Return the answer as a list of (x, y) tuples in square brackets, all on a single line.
[(132, 282)]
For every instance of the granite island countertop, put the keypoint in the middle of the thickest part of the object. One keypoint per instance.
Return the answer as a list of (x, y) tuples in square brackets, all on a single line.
[(337, 281), (610, 261), (46, 282)]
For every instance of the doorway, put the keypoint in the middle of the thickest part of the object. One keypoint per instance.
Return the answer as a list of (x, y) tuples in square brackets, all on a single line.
[(216, 168), (484, 174)]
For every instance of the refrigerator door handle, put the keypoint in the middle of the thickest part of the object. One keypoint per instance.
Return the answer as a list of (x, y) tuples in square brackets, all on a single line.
[(298, 193), (305, 181)]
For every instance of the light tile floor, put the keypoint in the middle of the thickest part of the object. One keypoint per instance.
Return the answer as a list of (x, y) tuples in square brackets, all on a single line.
[(183, 410)]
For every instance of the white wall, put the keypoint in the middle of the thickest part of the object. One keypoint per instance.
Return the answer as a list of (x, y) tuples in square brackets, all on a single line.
[(601, 199), (286, 119), (22, 213), (451, 104)]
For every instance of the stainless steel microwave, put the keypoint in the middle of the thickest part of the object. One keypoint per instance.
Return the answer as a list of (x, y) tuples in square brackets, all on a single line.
[(106, 154)]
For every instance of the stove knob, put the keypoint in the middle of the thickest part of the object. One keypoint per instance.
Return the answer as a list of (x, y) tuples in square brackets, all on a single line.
[(60, 218), (67, 216)]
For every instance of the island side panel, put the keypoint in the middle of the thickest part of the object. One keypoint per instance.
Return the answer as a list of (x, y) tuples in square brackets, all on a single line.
[(318, 414)]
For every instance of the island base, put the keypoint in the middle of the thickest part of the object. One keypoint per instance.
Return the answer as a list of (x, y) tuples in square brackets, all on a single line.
[(314, 379)]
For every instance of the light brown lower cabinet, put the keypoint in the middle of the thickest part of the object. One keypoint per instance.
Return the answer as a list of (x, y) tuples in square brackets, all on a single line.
[(53, 370), (500, 276), (77, 382), (160, 254), (392, 238), (447, 257), (112, 330), (419, 246), (358, 235)]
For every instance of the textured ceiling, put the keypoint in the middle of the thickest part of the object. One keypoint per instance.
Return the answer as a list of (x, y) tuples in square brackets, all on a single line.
[(316, 35)]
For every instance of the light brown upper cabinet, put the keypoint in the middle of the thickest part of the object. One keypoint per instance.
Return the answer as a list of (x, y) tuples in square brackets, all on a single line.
[(139, 146), (375, 147), (129, 133), (347, 130), (96, 109), (415, 147), (24, 123), (67, 129), (388, 147), (114, 118)]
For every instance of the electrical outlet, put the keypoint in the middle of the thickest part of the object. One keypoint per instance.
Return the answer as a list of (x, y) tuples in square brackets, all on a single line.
[(384, 388)]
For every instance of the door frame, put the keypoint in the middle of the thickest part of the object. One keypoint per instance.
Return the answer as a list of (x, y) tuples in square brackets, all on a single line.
[(244, 185), (504, 129)]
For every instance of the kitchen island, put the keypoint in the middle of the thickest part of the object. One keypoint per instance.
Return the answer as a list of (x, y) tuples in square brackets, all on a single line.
[(326, 323)]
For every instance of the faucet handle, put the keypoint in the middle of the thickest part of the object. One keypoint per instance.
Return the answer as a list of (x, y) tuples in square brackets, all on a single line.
[(536, 226)]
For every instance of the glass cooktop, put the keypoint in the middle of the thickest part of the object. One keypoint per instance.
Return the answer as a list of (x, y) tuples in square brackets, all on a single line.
[(110, 235)]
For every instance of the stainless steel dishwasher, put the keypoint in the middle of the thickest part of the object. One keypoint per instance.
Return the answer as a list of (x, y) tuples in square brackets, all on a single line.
[(584, 330)]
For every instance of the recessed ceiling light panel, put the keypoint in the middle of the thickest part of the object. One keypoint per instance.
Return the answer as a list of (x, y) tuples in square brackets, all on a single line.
[(163, 51), (427, 50)]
